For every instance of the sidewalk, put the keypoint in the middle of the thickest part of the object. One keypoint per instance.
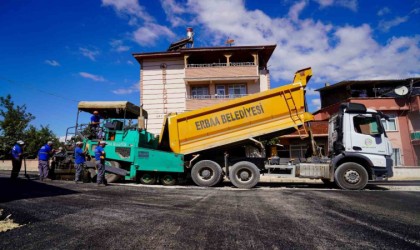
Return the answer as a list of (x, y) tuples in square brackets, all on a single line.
[(400, 173)]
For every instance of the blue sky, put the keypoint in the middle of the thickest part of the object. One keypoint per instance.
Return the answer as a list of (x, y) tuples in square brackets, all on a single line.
[(56, 53)]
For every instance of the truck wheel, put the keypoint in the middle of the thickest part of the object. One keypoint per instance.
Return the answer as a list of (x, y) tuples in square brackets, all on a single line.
[(351, 176), (110, 178), (147, 178), (244, 174), (206, 173), (167, 180)]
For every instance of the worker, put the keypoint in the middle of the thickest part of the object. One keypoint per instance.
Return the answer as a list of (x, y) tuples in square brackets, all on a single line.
[(44, 156), (100, 163), (95, 121), (79, 161), (17, 156)]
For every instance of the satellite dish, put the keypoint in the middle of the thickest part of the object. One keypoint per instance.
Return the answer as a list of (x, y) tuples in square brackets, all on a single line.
[(402, 90)]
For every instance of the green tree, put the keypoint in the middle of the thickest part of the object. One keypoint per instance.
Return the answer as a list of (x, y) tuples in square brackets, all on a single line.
[(14, 126), (15, 121), (36, 138)]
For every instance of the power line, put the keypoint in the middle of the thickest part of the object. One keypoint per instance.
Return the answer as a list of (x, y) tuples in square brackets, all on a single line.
[(37, 89)]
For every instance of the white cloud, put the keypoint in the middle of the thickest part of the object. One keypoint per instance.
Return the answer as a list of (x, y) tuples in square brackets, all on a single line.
[(117, 45), (125, 91), (53, 63), (350, 4), (334, 52), (295, 10), (311, 92), (148, 31), (173, 11), (149, 34), (89, 53), (96, 78), (383, 11), (315, 104), (130, 8), (325, 3), (385, 26)]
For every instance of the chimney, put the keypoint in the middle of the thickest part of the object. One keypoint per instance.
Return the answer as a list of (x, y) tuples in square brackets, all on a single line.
[(190, 35)]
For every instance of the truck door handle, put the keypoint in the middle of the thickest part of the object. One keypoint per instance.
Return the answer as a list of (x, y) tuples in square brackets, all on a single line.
[(357, 148)]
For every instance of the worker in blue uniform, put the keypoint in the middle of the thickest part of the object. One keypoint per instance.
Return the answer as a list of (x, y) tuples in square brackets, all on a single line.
[(17, 156), (44, 156), (100, 163), (95, 121), (79, 161)]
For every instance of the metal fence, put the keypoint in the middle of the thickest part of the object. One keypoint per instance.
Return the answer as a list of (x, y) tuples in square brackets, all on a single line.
[(207, 65)]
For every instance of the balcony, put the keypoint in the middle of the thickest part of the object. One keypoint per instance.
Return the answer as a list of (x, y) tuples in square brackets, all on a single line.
[(207, 97), (201, 101), (221, 71)]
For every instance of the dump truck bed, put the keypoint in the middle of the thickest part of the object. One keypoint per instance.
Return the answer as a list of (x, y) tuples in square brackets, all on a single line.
[(238, 120)]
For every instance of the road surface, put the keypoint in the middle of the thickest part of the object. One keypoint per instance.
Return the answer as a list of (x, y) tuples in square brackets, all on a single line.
[(65, 215)]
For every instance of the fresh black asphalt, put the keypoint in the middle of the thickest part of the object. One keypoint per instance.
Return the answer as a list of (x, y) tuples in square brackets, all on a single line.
[(65, 215)]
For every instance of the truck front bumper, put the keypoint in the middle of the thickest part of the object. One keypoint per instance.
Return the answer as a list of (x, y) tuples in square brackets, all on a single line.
[(379, 173)]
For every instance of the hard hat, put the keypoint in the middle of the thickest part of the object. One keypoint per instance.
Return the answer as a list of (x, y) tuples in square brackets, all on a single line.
[(20, 142), (49, 142), (79, 142), (102, 142), (95, 112)]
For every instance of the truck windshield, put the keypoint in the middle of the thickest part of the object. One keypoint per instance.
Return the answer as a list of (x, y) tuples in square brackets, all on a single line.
[(366, 125)]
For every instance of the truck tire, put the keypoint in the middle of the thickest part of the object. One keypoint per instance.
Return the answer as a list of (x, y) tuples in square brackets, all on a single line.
[(351, 176), (167, 179), (147, 178), (244, 174), (206, 173), (111, 178)]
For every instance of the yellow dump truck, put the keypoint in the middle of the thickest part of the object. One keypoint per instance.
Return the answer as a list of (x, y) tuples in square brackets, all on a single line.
[(229, 133), (263, 114), (224, 140)]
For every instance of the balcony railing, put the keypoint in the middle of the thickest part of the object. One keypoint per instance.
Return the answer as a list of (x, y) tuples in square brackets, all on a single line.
[(233, 64), (210, 97)]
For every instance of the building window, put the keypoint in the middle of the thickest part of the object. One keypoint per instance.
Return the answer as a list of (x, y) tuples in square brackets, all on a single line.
[(200, 92), (396, 157), (237, 90), (365, 125), (298, 151), (220, 91), (390, 125)]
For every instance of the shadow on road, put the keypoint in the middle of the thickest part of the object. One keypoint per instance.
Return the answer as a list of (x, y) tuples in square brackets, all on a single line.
[(28, 188), (403, 183)]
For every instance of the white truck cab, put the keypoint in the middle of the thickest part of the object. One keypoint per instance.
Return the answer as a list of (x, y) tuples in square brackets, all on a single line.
[(361, 150)]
